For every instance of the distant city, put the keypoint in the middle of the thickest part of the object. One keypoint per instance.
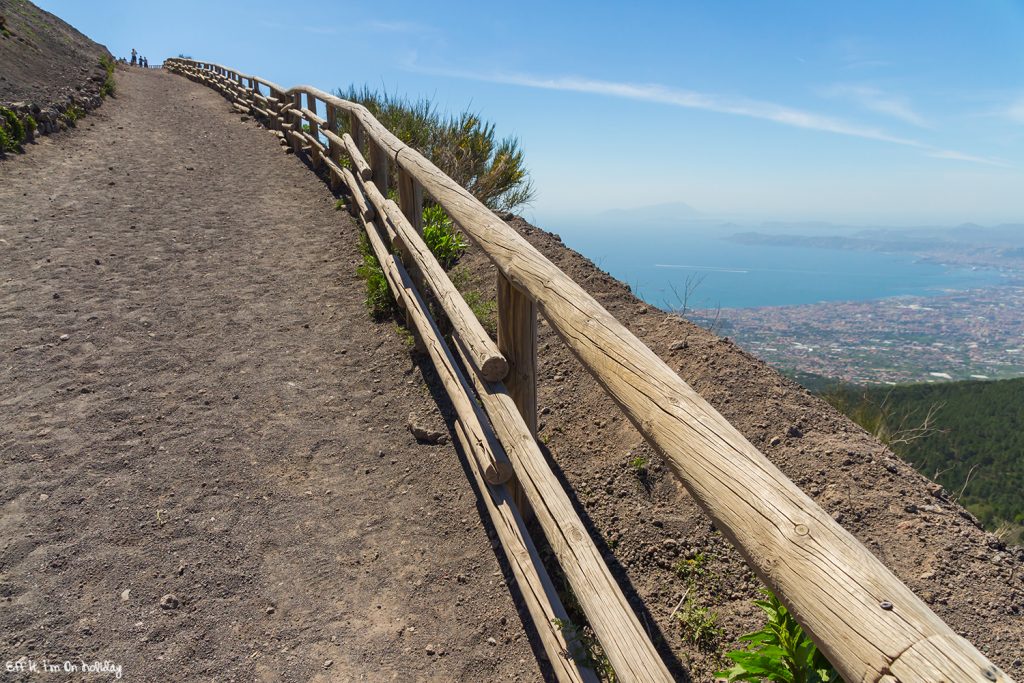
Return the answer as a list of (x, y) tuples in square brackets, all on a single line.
[(959, 334), (975, 334)]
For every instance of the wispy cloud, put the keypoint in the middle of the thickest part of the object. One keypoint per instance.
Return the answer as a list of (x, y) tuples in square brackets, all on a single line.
[(873, 99), (858, 53), (691, 99), (397, 27), (1015, 112), (960, 156), (320, 30)]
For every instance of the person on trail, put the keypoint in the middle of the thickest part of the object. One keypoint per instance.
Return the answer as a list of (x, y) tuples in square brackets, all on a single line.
[(134, 53), (145, 63)]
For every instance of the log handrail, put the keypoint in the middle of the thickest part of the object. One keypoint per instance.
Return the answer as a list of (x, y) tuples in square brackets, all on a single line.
[(862, 617)]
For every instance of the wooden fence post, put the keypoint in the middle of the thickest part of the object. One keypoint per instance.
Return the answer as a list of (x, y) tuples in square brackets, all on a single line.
[(314, 130), (379, 164), (275, 107), (517, 341), (355, 129), (333, 148), (410, 198), (296, 122)]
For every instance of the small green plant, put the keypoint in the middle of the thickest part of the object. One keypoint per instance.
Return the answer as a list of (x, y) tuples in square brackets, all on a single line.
[(339, 204), (484, 309), (13, 131), (73, 113), (690, 569), (379, 301), (700, 624), (780, 652), (585, 650), (109, 87), (444, 240), (406, 335), (638, 464)]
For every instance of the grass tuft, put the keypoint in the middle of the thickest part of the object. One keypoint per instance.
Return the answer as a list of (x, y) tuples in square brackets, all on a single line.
[(379, 301), (73, 113), (699, 624), (12, 131), (484, 308), (109, 87)]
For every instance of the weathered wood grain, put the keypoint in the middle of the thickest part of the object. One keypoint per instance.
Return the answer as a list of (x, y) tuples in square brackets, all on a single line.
[(493, 460), (539, 594), (833, 584), (622, 637)]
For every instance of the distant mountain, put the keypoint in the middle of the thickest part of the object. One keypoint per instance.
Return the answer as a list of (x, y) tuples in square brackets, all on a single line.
[(829, 242)]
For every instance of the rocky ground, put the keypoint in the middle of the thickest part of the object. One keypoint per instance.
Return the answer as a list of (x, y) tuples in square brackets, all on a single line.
[(207, 471), (47, 67)]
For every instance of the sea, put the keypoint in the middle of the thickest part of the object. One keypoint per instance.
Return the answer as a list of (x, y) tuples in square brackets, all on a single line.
[(671, 267)]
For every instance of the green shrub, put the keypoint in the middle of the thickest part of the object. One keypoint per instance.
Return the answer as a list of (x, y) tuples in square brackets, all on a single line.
[(73, 113), (780, 652), (463, 146), (379, 301), (14, 130), (109, 87), (440, 235)]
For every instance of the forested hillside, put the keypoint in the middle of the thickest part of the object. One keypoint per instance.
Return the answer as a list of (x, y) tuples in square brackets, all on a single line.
[(968, 436)]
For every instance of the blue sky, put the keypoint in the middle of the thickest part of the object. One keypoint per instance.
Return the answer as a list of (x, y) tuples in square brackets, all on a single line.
[(867, 112)]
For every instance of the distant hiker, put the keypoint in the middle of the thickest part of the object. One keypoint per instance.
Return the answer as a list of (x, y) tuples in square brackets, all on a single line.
[(145, 64), (134, 57)]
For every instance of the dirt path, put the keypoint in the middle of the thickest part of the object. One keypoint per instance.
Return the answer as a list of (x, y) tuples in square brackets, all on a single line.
[(194, 403)]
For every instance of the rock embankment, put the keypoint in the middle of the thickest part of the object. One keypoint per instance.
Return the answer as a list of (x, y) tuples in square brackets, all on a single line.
[(50, 74)]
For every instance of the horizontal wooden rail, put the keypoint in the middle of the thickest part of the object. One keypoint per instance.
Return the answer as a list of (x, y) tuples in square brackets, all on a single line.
[(493, 461), (536, 587), (539, 593), (626, 645), (483, 353), (865, 620)]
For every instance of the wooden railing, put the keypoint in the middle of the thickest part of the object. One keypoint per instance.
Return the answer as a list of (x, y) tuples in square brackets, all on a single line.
[(862, 617)]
